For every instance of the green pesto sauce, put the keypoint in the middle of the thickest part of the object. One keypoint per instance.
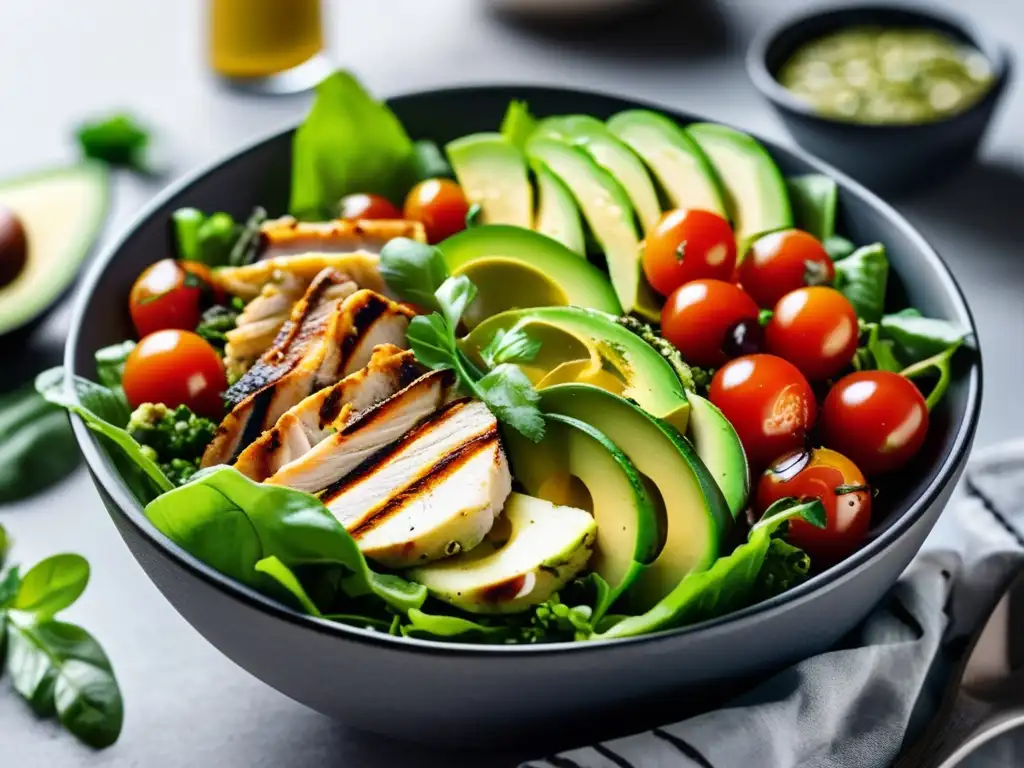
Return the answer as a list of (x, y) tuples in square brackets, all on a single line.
[(887, 76)]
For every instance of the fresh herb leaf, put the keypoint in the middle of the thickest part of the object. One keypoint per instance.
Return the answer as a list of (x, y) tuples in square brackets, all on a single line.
[(918, 337), (247, 243), (764, 317), (116, 140), (518, 124), (430, 161), (474, 216), (429, 342), (414, 271), (348, 143), (940, 363), (784, 567), (454, 295), (862, 278), (511, 397), (510, 346), (814, 198), (37, 447), (52, 585), (838, 247)]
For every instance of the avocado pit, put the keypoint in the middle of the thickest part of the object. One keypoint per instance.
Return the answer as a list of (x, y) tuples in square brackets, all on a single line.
[(13, 247)]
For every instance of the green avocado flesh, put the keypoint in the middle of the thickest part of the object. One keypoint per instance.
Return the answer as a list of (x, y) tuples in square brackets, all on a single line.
[(685, 494), (492, 172), (515, 266), (62, 211), (681, 168), (576, 465), (534, 549), (611, 154), (720, 449), (585, 346), (756, 196), (557, 214)]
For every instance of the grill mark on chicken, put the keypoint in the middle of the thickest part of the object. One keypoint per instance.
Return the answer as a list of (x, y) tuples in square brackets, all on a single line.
[(363, 320), (445, 467), (254, 425), (286, 236), (382, 411)]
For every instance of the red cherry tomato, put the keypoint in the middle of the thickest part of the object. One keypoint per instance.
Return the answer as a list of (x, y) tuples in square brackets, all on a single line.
[(877, 418), (170, 294), (783, 261), (833, 478), (815, 329), (688, 245), (768, 401), (710, 321), (176, 368), (440, 205), (365, 205)]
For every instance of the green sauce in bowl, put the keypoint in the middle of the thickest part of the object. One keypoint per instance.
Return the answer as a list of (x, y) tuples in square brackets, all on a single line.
[(880, 75)]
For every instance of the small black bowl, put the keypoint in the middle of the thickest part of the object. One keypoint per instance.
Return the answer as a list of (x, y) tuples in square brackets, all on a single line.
[(890, 159)]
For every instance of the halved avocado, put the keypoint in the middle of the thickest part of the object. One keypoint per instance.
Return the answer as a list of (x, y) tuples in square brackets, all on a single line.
[(492, 172), (695, 513), (612, 155), (682, 169), (584, 346), (756, 194), (517, 267), (557, 214), (534, 549), (719, 447), (62, 211), (576, 465), (607, 210)]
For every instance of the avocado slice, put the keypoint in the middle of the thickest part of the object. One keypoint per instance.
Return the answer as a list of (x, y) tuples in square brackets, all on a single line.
[(607, 210), (756, 194), (587, 346), (576, 465), (611, 154), (492, 172), (534, 549), (684, 172), (515, 267), (557, 214), (696, 514), (719, 447), (62, 211)]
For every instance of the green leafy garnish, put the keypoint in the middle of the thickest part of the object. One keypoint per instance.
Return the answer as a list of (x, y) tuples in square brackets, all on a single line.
[(941, 364), (514, 345), (784, 567), (110, 363), (173, 437), (876, 353), (413, 270), (814, 198), (862, 278), (518, 124), (838, 247), (52, 585), (430, 161), (920, 337), (116, 140), (37, 447), (348, 143)]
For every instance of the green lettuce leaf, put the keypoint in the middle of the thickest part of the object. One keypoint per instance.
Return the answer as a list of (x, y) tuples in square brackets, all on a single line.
[(814, 198), (862, 277)]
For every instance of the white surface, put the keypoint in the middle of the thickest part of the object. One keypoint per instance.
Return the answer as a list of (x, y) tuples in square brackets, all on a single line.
[(61, 60)]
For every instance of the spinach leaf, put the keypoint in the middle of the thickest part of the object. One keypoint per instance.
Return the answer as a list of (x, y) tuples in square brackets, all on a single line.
[(918, 337), (103, 410), (37, 447), (59, 667), (877, 353), (286, 578), (110, 364), (116, 140), (862, 278), (429, 625), (518, 124), (52, 585), (838, 247), (430, 161), (348, 143), (727, 585), (814, 198), (413, 270), (232, 523)]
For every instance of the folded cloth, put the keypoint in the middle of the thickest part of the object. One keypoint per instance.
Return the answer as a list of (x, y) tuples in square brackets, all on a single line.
[(881, 691)]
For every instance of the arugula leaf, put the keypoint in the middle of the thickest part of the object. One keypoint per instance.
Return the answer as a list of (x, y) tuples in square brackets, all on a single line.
[(413, 270), (518, 124), (511, 346), (37, 447), (232, 523), (814, 198), (348, 143), (729, 584), (918, 337), (838, 247), (116, 140), (511, 397), (430, 161), (862, 277), (52, 585)]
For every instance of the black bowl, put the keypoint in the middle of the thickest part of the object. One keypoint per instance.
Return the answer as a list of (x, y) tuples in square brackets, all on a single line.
[(890, 159), (472, 695)]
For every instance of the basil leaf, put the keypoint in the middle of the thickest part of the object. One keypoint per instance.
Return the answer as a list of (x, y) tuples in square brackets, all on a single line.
[(838, 247), (512, 346), (52, 585), (428, 339), (59, 667), (110, 363), (814, 198), (518, 124), (37, 447), (511, 397), (413, 270), (917, 337), (430, 161), (862, 278), (348, 143)]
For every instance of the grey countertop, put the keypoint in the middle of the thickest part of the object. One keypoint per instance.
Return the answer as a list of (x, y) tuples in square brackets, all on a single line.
[(62, 60)]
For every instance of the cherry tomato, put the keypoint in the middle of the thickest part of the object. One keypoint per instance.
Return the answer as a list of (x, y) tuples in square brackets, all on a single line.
[(688, 245), (710, 321), (833, 478), (877, 418), (815, 329), (176, 368), (440, 205), (365, 205), (783, 261), (768, 401), (170, 294)]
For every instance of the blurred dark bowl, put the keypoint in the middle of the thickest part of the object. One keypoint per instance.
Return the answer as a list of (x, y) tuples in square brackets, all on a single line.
[(891, 159)]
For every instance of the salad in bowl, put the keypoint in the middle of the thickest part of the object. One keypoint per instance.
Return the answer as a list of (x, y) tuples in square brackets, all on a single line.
[(568, 379)]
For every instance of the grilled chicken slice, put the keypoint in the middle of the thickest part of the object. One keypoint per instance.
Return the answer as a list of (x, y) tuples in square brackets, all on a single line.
[(323, 341), (433, 493), (288, 237), (324, 413), (247, 282)]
